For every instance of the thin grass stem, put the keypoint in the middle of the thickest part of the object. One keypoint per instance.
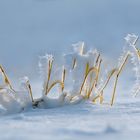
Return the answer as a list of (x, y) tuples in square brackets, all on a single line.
[(74, 63), (92, 69), (6, 79), (50, 63), (117, 76), (55, 83)]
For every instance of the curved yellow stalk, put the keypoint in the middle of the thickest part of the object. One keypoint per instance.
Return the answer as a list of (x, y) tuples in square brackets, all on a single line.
[(118, 71), (93, 69), (100, 93), (50, 63), (55, 83), (30, 92), (94, 84), (27, 83), (108, 79), (98, 66), (116, 80)]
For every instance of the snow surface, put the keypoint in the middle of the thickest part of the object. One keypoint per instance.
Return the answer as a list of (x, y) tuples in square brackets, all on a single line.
[(80, 121)]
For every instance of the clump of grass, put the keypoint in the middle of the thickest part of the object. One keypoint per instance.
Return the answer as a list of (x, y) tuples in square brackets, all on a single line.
[(89, 83), (116, 72), (50, 65), (101, 91), (88, 72), (49, 86)]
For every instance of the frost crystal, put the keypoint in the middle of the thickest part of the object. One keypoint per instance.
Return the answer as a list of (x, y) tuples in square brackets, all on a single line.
[(79, 48), (131, 39), (49, 57), (43, 64)]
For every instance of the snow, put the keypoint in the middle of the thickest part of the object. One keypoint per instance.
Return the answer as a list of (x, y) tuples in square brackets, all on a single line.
[(80, 121)]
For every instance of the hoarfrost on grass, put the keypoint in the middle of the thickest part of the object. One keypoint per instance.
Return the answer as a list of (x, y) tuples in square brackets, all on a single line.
[(72, 76)]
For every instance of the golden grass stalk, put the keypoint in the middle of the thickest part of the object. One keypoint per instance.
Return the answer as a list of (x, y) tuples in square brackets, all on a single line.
[(101, 91), (117, 76), (55, 83), (91, 85), (123, 63), (50, 64), (96, 97), (108, 79), (6, 79), (97, 60), (92, 69), (114, 90), (74, 63), (94, 84), (119, 70), (63, 78), (30, 90), (99, 67), (91, 89), (60, 82), (87, 68)]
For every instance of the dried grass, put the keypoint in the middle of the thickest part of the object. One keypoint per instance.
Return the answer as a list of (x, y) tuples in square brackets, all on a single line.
[(6, 79), (89, 83)]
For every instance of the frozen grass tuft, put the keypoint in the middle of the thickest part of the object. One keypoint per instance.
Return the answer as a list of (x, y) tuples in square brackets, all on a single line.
[(78, 79)]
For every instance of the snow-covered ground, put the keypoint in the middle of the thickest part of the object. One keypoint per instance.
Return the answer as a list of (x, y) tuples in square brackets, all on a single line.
[(82, 121)]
